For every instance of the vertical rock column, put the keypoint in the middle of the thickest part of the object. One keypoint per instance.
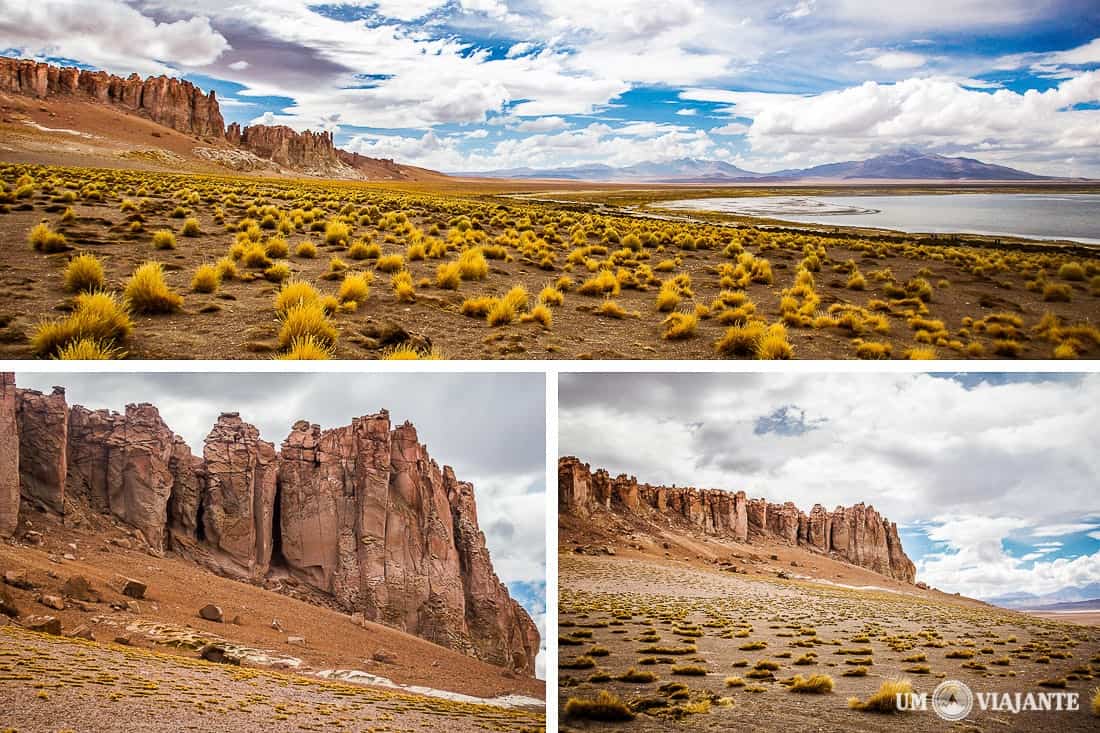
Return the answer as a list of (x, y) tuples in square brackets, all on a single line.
[(500, 630), (240, 498), (43, 424), (9, 457)]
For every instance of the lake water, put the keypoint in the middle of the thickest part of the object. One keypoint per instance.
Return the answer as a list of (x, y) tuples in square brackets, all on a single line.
[(1074, 216)]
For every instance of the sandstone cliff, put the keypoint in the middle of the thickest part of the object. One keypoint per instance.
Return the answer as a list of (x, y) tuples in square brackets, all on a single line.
[(285, 146), (359, 514), (182, 106), (856, 534), (173, 103)]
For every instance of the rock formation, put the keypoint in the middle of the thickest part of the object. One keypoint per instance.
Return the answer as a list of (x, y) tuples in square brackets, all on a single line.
[(9, 456), (360, 514), (857, 534), (182, 106), (43, 423), (285, 146), (173, 103)]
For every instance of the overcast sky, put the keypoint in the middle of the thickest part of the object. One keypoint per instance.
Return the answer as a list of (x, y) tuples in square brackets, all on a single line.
[(490, 428), (483, 84), (994, 480)]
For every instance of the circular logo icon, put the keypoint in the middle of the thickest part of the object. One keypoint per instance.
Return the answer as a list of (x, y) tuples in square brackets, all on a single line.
[(952, 700)]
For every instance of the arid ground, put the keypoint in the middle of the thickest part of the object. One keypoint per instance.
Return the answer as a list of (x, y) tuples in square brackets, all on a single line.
[(467, 270), (144, 664), (695, 634)]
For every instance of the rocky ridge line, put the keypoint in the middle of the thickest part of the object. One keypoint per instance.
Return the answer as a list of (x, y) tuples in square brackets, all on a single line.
[(183, 107), (857, 534)]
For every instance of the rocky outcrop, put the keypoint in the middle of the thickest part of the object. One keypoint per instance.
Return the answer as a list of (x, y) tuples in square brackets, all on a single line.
[(369, 517), (171, 102), (857, 534), (182, 106), (128, 465), (359, 514), (9, 456), (285, 146), (239, 504), (43, 422)]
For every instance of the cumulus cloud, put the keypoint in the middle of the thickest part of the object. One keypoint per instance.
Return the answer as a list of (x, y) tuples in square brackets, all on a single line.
[(898, 60), (926, 111), (108, 33), (959, 460)]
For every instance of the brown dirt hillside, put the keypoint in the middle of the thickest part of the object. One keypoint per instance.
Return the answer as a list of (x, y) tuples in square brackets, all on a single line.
[(268, 620)]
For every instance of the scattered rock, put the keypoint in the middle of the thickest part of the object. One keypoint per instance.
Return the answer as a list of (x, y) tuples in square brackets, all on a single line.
[(53, 602), (132, 588), (276, 625), (296, 640), (18, 579), (43, 624), (123, 542), (237, 621), (82, 632), (80, 588), (8, 606), (124, 640), (210, 612), (218, 654), (384, 657)]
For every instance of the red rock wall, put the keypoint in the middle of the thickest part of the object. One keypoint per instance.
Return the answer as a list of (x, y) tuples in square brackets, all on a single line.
[(43, 446), (285, 146), (9, 456), (173, 103), (856, 534), (361, 512)]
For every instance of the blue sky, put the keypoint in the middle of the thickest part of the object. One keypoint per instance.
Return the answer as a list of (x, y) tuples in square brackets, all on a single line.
[(993, 479), (485, 84)]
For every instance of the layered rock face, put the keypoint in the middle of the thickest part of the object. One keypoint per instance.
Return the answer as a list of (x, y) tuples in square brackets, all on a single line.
[(285, 146), (173, 103), (857, 534), (359, 513)]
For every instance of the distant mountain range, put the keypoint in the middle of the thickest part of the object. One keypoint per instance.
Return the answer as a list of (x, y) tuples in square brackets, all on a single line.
[(905, 164), (1061, 600)]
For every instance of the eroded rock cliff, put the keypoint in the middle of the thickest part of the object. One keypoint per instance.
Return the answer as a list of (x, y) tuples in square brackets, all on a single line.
[(856, 534), (171, 102), (361, 514)]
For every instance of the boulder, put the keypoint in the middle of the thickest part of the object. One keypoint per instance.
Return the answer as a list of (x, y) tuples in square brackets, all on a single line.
[(8, 606), (210, 612), (51, 601), (132, 588), (43, 624), (18, 579), (82, 632)]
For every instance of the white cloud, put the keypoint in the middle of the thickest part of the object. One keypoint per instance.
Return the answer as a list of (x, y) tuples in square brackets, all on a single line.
[(732, 129), (894, 60), (239, 65), (687, 112), (976, 563), (1038, 127), (108, 33), (542, 124)]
